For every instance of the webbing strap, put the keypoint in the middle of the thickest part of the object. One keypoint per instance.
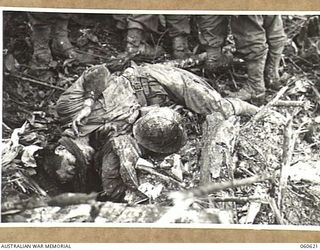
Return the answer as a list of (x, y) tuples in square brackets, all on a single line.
[(139, 91)]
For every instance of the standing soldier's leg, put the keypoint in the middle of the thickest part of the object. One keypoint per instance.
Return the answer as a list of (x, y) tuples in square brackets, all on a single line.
[(41, 30), (138, 29), (61, 44), (121, 21), (276, 40), (250, 38), (179, 30), (212, 33)]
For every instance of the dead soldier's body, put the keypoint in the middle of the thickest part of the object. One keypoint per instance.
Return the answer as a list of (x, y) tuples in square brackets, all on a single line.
[(109, 110)]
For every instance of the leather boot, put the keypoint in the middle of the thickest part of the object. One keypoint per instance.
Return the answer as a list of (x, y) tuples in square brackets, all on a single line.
[(254, 89), (216, 59), (271, 73), (61, 44), (137, 45), (135, 38), (41, 52), (180, 47)]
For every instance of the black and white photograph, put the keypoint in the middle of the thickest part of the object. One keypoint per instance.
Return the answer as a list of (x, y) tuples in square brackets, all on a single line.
[(161, 118)]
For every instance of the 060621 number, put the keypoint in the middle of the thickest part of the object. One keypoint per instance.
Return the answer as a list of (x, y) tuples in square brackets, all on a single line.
[(308, 245)]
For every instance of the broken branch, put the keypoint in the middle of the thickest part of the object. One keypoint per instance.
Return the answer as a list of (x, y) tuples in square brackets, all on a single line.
[(265, 108), (37, 82), (182, 200), (6, 126), (162, 176), (315, 90), (288, 147), (289, 103), (214, 187), (237, 199), (276, 212)]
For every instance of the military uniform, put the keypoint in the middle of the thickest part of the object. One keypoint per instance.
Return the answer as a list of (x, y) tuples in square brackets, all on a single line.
[(46, 27), (178, 27), (118, 100), (259, 40)]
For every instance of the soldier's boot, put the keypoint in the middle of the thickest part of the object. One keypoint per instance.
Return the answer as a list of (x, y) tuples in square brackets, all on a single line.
[(137, 45), (61, 44), (216, 59), (271, 72), (254, 89), (180, 47), (41, 56)]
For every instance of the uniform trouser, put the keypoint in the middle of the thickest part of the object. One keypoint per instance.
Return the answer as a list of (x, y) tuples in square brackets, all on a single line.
[(212, 30), (49, 25), (257, 35), (253, 34), (115, 162), (258, 38), (41, 19), (176, 24)]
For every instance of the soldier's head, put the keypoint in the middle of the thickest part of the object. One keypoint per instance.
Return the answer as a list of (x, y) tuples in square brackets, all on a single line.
[(160, 131), (63, 160), (96, 73)]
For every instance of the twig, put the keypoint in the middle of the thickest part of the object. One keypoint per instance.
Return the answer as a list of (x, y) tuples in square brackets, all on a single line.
[(233, 81), (264, 109), (37, 82), (159, 40), (162, 176), (277, 212), (290, 103), (215, 187), (248, 172), (288, 147), (182, 200), (306, 61), (316, 93), (238, 199), (313, 144), (296, 66), (6, 126)]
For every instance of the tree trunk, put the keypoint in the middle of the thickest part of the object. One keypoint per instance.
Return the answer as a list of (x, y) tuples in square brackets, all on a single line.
[(218, 143)]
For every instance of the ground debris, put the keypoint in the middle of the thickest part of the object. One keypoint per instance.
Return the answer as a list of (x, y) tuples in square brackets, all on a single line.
[(109, 212)]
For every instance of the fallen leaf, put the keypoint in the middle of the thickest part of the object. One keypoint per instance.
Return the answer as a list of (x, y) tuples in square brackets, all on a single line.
[(10, 63), (177, 168), (150, 190), (305, 171), (28, 156), (144, 163)]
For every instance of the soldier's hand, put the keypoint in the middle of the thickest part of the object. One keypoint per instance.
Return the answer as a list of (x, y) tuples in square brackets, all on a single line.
[(84, 113)]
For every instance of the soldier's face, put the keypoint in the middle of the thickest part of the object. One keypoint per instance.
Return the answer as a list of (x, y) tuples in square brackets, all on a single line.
[(67, 170)]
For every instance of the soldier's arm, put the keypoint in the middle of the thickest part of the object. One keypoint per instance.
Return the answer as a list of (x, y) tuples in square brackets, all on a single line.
[(94, 83), (193, 92)]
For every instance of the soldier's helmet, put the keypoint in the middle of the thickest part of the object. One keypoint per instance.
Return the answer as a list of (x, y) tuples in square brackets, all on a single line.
[(160, 131)]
